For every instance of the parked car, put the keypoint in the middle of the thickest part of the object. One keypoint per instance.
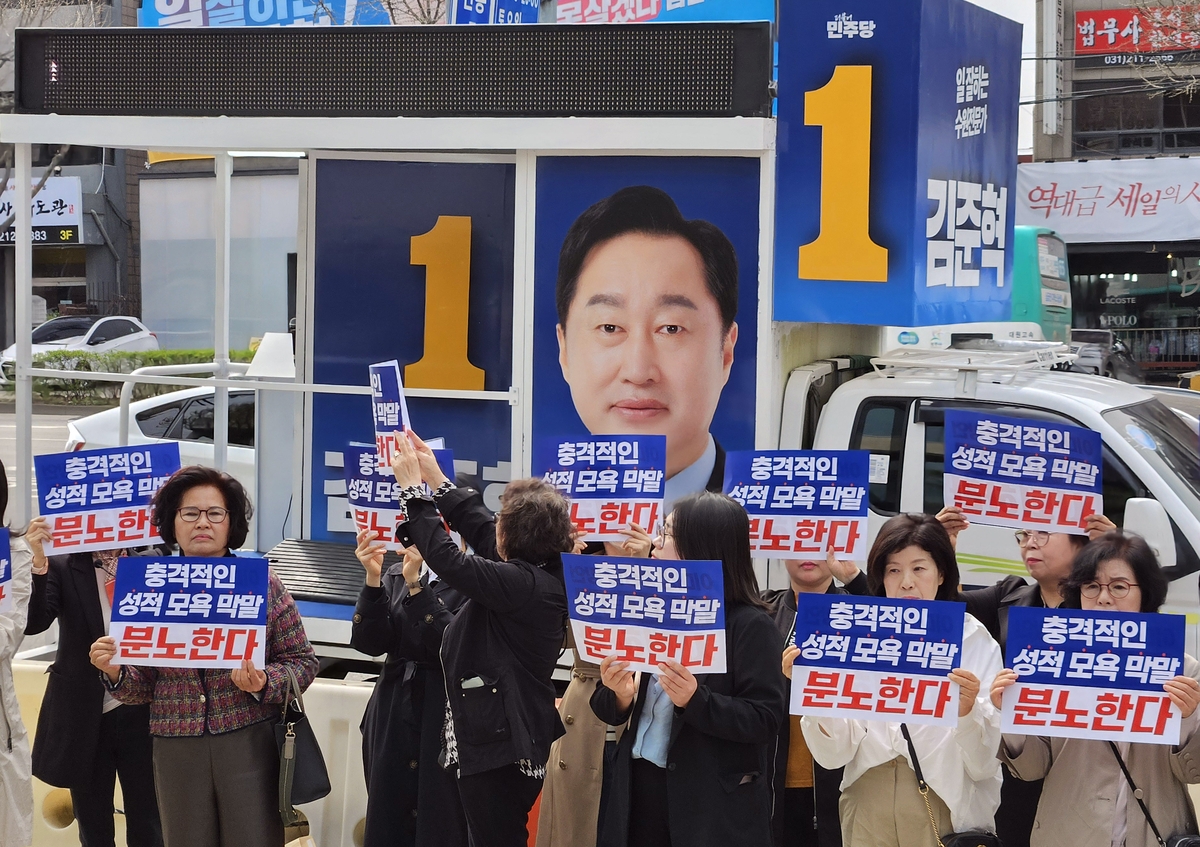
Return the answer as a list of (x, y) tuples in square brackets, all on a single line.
[(1103, 355), (183, 416), (91, 333)]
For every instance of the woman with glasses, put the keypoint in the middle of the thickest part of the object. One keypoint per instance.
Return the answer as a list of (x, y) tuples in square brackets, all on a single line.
[(881, 804), (1086, 799), (693, 767), (216, 764), (1047, 557)]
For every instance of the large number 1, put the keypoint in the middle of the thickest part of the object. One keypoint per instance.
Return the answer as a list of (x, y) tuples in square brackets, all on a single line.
[(445, 251), (843, 250)]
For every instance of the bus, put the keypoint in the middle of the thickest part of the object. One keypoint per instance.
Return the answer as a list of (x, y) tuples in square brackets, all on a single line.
[(1041, 286)]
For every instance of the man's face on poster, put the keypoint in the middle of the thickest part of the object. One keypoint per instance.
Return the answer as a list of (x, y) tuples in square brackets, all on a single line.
[(643, 348)]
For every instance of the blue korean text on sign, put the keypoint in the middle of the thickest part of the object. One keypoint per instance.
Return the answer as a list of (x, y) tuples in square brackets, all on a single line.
[(872, 658), (389, 410), (100, 499), (662, 11), (374, 494), (645, 611), (494, 11), (184, 612), (243, 13), (6, 600), (612, 480), (1022, 473), (896, 162), (1096, 675), (802, 502)]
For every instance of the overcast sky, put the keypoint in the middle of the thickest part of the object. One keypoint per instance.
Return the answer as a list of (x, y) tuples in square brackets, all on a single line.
[(1025, 12)]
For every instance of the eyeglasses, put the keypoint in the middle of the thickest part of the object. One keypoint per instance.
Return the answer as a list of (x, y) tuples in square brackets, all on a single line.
[(661, 532), (1118, 589), (191, 514), (1025, 537)]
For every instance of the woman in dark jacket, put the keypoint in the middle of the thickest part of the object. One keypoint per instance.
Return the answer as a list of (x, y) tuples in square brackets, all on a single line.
[(694, 766), (411, 799), (500, 650)]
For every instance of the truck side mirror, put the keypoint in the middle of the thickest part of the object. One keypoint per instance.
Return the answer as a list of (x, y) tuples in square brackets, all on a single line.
[(1148, 518)]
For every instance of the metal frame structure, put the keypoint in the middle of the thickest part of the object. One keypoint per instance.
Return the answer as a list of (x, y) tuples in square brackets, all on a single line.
[(414, 139)]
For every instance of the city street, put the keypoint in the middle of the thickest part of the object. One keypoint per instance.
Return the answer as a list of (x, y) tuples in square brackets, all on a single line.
[(49, 433)]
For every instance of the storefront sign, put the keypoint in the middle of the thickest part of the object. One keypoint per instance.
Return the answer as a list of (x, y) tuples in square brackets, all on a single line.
[(1094, 675), (57, 211), (1136, 36), (645, 611), (875, 659), (1112, 201), (877, 98), (802, 503)]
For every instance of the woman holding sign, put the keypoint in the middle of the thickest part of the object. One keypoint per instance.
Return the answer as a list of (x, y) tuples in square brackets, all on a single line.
[(216, 764), (693, 766), (881, 803), (1086, 799)]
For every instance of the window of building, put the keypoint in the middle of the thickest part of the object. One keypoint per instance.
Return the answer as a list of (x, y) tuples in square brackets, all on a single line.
[(1125, 118)]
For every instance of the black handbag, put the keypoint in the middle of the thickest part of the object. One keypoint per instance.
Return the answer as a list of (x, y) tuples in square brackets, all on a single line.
[(1173, 841), (302, 774), (972, 838)]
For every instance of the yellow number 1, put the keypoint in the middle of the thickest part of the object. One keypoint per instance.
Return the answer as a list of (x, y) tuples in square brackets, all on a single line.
[(843, 250), (445, 251)]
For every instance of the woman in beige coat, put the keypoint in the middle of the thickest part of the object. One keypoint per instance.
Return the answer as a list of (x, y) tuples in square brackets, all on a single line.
[(1086, 800)]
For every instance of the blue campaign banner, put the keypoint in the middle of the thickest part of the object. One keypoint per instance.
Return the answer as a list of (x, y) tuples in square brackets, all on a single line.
[(1022, 473), (1110, 650), (638, 378), (6, 600), (94, 480), (241, 13), (494, 11), (436, 213), (663, 11), (830, 483), (187, 590), (647, 610), (897, 162)]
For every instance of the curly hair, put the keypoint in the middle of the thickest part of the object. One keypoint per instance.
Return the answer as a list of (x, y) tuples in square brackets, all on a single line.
[(1132, 549), (536, 521), (924, 531), (167, 499)]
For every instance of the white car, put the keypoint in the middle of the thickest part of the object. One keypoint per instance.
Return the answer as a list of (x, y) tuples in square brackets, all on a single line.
[(90, 333), (182, 416)]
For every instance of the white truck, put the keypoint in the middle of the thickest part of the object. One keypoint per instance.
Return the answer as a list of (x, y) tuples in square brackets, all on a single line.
[(895, 409)]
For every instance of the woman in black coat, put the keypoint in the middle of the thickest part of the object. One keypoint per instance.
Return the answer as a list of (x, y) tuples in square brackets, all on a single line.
[(500, 650), (411, 799), (713, 735)]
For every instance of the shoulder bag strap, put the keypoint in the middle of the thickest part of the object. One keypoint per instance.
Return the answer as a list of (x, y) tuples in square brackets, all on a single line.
[(1137, 794), (921, 784), (287, 753)]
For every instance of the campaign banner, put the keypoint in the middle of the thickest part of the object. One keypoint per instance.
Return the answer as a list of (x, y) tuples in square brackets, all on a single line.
[(876, 659), (660, 11), (494, 11), (100, 499), (646, 610), (374, 493), (612, 480), (389, 410), (6, 600), (1136, 36), (802, 502), (57, 211), (190, 613), (1095, 675), (275, 13), (1021, 473)]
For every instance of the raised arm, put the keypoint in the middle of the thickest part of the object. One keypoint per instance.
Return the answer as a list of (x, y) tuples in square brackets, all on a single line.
[(464, 510)]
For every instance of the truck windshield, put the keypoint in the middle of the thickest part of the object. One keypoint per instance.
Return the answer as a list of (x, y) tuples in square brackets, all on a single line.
[(1166, 442)]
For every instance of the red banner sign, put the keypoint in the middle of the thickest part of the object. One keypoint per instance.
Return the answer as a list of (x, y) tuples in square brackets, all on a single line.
[(1165, 30)]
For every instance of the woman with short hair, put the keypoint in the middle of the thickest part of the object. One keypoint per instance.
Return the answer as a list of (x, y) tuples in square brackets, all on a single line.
[(694, 765), (216, 763), (1086, 799)]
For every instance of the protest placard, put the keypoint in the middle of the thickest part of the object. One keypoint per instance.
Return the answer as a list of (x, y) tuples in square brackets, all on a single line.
[(1021, 473), (374, 493), (190, 613), (646, 610), (612, 480), (877, 659), (802, 502), (1096, 675), (100, 499), (6, 600), (389, 410)]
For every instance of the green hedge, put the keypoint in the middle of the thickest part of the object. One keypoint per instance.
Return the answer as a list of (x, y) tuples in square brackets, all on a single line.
[(85, 392)]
